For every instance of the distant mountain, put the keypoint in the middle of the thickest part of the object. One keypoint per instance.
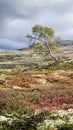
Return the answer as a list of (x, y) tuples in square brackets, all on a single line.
[(63, 43), (24, 49)]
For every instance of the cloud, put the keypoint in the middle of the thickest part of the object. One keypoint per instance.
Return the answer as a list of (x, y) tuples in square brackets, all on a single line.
[(18, 16), (6, 43)]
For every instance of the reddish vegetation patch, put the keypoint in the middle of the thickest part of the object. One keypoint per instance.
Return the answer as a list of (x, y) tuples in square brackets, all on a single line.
[(56, 92), (55, 103), (22, 82)]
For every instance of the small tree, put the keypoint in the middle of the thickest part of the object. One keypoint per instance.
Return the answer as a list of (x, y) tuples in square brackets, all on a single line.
[(43, 37)]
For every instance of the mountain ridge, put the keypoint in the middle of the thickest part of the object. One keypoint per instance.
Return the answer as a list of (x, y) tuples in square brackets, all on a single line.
[(62, 43)]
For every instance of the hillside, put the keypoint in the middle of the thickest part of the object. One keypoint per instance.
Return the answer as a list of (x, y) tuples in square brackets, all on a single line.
[(32, 58), (35, 92)]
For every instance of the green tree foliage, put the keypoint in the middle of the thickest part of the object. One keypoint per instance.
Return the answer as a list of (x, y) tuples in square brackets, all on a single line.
[(43, 37)]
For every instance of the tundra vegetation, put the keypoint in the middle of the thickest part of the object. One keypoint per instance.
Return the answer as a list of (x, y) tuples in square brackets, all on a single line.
[(36, 91)]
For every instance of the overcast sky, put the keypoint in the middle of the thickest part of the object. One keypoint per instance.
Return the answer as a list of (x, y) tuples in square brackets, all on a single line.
[(18, 16)]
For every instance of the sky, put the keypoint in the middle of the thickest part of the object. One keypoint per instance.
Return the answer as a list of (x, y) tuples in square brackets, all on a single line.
[(17, 17)]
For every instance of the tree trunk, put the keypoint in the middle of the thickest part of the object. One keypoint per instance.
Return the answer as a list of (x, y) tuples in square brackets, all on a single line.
[(54, 58), (50, 52)]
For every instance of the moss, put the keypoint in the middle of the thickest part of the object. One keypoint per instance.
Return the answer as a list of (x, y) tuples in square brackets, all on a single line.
[(61, 65)]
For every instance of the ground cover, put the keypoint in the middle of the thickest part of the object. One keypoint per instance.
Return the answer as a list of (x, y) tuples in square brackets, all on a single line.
[(32, 99)]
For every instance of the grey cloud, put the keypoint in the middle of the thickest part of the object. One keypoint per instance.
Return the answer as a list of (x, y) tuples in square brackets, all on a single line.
[(11, 44), (19, 8), (18, 16), (11, 8)]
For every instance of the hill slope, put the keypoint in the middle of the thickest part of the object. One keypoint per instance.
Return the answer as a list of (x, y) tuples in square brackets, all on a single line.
[(31, 58)]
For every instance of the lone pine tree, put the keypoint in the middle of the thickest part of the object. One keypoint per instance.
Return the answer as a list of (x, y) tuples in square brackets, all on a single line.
[(43, 37)]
